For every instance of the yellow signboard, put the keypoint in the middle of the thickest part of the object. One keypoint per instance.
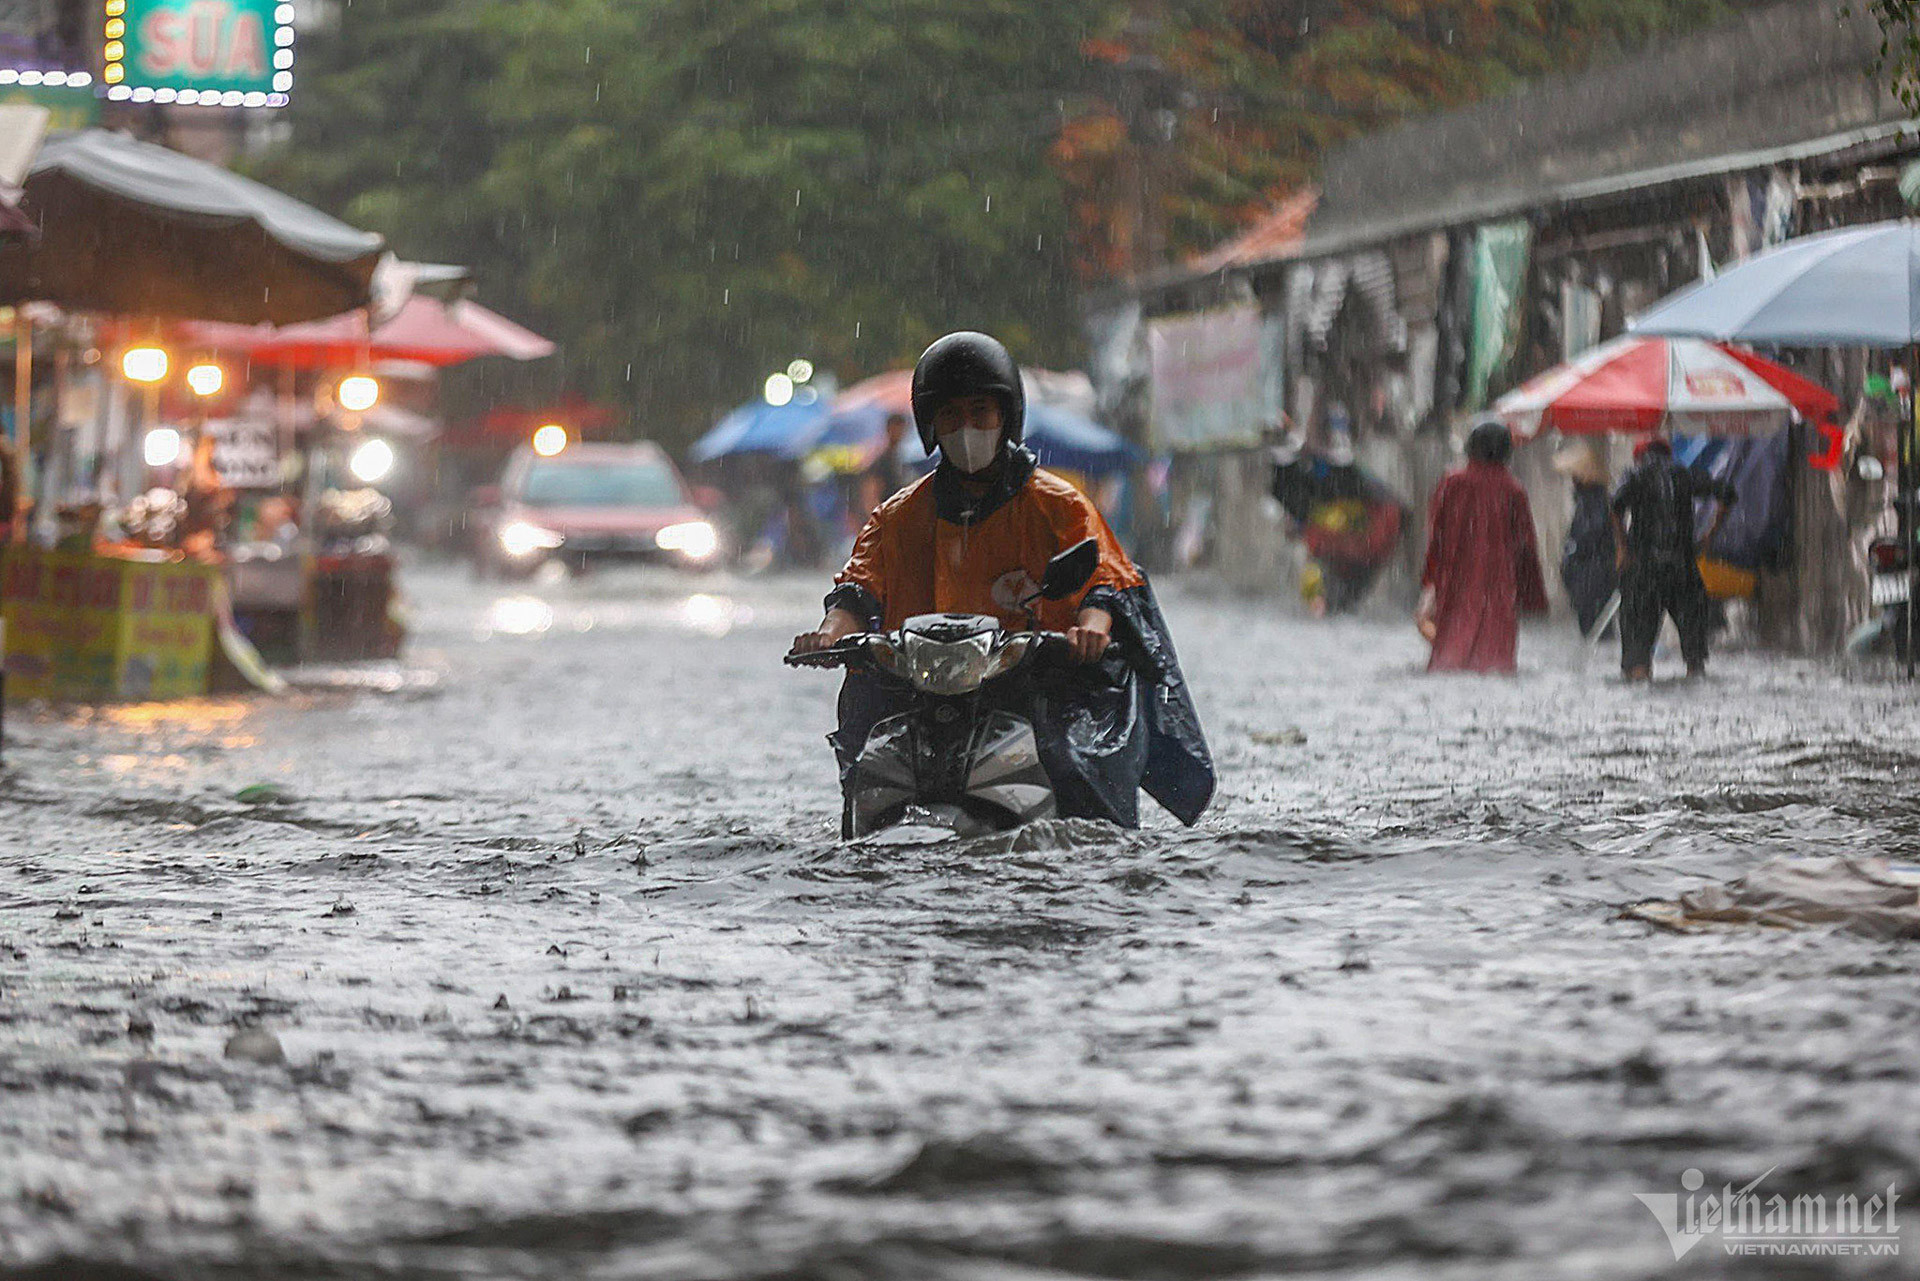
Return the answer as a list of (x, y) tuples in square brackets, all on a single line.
[(81, 626)]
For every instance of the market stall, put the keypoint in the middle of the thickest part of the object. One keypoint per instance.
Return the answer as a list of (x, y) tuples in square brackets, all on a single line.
[(85, 625), (124, 594), (337, 601)]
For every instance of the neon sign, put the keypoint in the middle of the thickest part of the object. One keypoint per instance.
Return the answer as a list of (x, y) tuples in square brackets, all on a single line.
[(214, 53)]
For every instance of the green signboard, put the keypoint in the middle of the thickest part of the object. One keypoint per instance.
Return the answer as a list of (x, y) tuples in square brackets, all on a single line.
[(229, 53), (67, 107)]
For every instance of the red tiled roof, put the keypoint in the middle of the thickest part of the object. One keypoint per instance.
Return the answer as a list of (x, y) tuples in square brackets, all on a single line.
[(1279, 231)]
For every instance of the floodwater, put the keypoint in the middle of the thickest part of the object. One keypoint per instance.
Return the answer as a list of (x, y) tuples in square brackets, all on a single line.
[(566, 975)]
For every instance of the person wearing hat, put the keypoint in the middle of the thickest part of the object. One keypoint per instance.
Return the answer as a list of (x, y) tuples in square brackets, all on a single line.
[(1652, 517), (1586, 558), (1483, 561), (974, 537)]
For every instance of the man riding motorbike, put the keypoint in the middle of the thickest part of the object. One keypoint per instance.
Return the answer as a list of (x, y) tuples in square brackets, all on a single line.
[(974, 537)]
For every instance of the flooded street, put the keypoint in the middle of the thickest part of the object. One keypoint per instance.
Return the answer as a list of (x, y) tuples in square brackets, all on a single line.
[(566, 975)]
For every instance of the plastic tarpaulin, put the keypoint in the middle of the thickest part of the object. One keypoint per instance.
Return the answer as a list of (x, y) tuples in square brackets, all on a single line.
[(1500, 253), (1758, 529)]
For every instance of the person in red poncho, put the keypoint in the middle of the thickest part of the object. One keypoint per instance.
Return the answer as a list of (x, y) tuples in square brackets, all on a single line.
[(1483, 563)]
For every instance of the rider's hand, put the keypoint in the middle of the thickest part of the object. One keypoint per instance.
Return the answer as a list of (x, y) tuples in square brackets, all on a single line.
[(836, 625), (1090, 635)]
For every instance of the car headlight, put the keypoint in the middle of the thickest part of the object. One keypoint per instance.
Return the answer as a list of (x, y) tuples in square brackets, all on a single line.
[(693, 539), (520, 538)]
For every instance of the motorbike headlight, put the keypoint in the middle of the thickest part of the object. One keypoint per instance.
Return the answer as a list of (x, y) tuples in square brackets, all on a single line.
[(949, 667), (522, 538), (693, 539)]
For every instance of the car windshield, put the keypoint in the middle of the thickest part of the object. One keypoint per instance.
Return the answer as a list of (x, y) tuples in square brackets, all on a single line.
[(583, 484)]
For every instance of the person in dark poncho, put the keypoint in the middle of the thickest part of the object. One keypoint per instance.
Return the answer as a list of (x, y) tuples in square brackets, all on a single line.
[(1659, 564), (1587, 558), (1483, 561)]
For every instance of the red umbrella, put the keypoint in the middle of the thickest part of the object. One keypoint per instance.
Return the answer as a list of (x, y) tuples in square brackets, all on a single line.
[(1641, 385), (891, 392), (425, 330)]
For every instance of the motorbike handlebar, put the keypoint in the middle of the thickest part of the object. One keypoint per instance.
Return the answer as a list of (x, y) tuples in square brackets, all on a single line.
[(838, 654), (1050, 647)]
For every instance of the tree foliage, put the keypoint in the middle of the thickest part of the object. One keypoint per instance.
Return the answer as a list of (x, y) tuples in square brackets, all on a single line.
[(1251, 94), (1899, 59), (690, 194), (687, 194)]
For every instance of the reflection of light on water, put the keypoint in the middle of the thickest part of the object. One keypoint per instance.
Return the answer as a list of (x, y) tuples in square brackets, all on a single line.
[(519, 616), (712, 615), (707, 614), (204, 714)]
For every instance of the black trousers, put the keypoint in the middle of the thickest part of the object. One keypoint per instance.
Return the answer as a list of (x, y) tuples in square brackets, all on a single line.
[(1649, 590)]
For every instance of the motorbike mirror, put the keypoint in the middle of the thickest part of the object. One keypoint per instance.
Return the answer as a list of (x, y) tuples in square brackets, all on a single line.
[(1068, 572), (1867, 467)]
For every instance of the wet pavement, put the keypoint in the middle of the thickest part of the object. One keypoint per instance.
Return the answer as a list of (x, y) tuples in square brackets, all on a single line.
[(540, 958)]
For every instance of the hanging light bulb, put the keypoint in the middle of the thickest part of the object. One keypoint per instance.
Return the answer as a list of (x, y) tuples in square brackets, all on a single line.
[(357, 393), (206, 379), (144, 364)]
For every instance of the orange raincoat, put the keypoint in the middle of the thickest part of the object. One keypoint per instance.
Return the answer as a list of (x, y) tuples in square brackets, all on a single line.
[(910, 561)]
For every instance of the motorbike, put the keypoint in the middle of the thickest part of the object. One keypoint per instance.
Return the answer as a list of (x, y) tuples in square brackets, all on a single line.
[(958, 761), (1889, 586)]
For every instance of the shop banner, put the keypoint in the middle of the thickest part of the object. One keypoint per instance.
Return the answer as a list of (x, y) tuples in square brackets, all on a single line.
[(1208, 379), (82, 626), (246, 452)]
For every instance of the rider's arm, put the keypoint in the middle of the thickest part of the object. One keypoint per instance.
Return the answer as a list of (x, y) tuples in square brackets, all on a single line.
[(1090, 634), (1724, 496), (837, 624), (854, 604)]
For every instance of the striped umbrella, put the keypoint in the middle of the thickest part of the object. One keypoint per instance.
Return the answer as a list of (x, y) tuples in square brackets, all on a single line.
[(1683, 385)]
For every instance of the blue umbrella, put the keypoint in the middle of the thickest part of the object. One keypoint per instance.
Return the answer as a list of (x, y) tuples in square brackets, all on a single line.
[(759, 428), (1856, 287), (863, 425), (1060, 438)]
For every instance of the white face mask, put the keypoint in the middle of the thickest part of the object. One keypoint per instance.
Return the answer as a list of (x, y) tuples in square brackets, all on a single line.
[(971, 449)]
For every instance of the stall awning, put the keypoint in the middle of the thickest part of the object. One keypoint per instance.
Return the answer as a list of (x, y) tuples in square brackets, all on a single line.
[(426, 330), (135, 229)]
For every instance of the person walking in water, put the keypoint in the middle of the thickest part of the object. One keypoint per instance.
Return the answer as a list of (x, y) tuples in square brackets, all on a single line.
[(1483, 561), (1587, 568), (1659, 563)]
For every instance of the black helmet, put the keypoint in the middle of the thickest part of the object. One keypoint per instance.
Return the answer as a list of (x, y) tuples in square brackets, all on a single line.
[(968, 364), (1490, 441)]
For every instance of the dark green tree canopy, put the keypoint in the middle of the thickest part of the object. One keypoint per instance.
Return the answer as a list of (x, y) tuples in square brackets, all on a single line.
[(688, 194)]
